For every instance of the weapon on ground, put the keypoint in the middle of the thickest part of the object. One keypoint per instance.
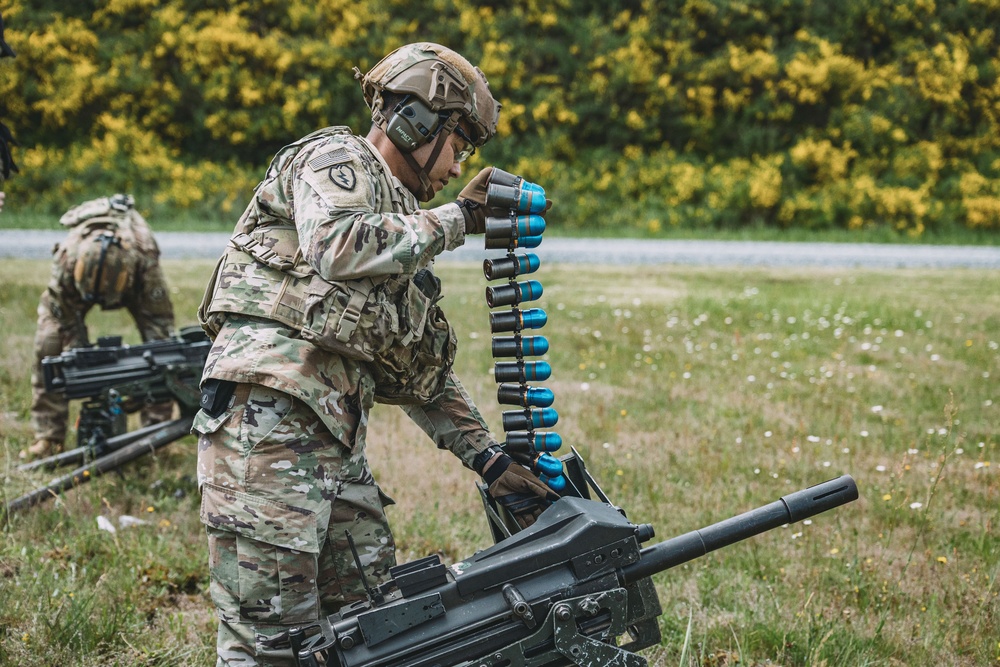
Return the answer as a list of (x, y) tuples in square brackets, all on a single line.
[(115, 380), (155, 437), (572, 589)]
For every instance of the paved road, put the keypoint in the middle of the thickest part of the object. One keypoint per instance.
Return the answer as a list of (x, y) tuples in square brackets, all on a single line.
[(37, 244)]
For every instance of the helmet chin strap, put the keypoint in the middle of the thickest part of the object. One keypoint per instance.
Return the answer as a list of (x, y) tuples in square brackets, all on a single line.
[(426, 188)]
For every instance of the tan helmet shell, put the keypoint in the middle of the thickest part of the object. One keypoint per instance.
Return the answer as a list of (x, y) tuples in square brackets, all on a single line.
[(104, 268), (442, 79), (105, 247)]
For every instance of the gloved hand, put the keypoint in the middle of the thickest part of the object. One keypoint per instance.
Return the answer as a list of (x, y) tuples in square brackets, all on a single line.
[(472, 201), (519, 491)]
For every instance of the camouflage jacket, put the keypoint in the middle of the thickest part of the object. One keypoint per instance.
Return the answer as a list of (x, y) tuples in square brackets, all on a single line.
[(146, 296), (353, 220)]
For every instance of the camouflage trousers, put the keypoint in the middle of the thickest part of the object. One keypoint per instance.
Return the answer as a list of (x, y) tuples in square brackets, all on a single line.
[(279, 494), (50, 412)]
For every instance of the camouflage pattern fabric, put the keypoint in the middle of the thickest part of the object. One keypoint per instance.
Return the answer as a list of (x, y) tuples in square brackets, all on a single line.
[(62, 312), (291, 263), (278, 493), (353, 220)]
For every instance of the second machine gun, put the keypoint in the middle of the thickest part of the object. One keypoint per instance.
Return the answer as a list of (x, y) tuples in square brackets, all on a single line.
[(115, 380)]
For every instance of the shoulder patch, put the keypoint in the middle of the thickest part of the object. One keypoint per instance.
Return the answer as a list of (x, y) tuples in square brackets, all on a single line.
[(343, 176), (336, 156)]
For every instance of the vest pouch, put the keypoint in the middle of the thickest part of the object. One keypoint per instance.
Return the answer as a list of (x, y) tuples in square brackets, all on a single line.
[(414, 370), (347, 318), (106, 262), (244, 287)]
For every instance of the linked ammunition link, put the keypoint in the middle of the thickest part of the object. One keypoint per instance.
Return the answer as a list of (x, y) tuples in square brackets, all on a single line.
[(514, 222)]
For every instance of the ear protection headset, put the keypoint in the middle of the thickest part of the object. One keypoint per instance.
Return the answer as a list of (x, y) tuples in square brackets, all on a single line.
[(412, 124)]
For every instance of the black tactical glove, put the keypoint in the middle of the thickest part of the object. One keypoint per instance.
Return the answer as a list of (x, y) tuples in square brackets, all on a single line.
[(472, 201), (519, 491)]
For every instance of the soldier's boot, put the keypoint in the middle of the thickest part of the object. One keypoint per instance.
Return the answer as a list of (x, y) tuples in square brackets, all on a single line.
[(41, 449)]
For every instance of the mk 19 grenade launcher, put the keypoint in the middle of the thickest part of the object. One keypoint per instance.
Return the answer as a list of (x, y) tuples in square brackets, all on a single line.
[(575, 588)]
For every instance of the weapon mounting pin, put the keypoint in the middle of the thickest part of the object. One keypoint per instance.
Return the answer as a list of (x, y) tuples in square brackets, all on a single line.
[(347, 642)]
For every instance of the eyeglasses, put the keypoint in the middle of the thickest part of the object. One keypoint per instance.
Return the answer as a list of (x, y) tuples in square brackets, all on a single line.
[(468, 150)]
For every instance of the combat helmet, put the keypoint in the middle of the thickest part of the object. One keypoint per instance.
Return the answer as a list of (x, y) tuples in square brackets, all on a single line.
[(106, 261), (438, 89)]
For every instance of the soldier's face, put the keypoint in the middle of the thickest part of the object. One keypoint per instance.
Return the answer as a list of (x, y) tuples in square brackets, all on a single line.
[(447, 166)]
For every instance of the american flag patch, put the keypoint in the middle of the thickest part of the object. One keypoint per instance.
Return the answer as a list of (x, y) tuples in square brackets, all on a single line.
[(338, 156)]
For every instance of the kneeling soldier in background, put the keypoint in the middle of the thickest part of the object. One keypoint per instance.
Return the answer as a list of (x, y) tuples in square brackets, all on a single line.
[(110, 259)]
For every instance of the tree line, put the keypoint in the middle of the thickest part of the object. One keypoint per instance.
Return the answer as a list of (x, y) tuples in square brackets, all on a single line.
[(642, 114)]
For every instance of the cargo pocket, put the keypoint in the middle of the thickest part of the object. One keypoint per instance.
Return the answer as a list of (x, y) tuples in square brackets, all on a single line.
[(262, 555), (360, 510), (265, 409), (205, 424)]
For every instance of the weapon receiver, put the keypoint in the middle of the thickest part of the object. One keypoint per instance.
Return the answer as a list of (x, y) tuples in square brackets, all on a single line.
[(573, 589), (114, 380), (150, 372)]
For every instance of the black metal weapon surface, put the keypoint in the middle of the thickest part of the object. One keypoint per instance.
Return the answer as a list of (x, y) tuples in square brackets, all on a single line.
[(575, 588), (115, 380)]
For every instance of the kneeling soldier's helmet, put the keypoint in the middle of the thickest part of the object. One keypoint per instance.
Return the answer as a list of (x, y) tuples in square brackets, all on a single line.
[(106, 259), (104, 269)]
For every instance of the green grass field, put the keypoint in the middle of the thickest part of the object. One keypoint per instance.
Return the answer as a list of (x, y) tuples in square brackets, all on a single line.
[(694, 394)]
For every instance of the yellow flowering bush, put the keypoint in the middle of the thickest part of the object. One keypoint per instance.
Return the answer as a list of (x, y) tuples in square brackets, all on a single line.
[(719, 113)]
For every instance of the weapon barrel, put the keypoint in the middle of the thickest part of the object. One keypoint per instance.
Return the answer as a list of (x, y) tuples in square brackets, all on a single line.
[(789, 509), (167, 433), (80, 454)]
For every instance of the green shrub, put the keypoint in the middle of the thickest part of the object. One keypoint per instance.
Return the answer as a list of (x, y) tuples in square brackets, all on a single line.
[(689, 114)]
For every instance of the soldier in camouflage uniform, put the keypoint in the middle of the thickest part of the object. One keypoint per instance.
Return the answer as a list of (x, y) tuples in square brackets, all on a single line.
[(109, 259), (324, 302)]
